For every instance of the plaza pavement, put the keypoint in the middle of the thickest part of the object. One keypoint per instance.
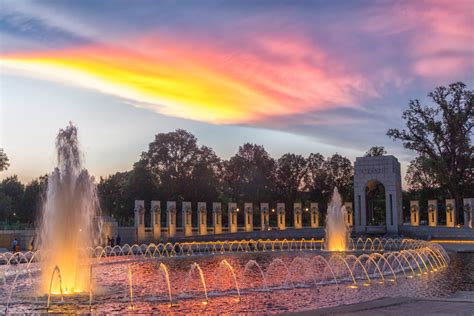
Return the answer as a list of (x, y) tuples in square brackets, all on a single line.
[(462, 303)]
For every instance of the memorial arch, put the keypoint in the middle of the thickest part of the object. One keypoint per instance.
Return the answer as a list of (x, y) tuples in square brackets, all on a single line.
[(377, 185)]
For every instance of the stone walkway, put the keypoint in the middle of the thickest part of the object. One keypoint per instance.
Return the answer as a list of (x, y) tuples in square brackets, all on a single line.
[(460, 304)]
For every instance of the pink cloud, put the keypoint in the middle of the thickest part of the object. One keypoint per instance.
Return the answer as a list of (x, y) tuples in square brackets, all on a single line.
[(439, 35)]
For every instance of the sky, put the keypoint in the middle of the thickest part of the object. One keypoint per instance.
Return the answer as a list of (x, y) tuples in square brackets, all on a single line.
[(294, 76)]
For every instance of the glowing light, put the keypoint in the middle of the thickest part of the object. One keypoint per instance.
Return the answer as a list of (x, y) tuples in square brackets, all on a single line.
[(353, 286), (453, 241)]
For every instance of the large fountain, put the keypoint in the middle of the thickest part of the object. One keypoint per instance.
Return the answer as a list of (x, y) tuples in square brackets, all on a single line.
[(208, 277), (337, 228), (69, 219)]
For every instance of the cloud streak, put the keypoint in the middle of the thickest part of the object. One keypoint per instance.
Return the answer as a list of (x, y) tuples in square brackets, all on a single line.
[(199, 81)]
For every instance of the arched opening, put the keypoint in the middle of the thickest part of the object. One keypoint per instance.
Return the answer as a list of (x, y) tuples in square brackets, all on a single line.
[(375, 203)]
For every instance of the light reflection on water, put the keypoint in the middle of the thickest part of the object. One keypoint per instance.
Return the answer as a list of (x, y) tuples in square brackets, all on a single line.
[(151, 293)]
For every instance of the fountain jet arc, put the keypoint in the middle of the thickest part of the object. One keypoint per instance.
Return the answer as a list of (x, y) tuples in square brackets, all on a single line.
[(70, 218), (337, 228)]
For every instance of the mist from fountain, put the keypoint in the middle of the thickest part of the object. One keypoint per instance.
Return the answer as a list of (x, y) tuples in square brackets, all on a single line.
[(69, 218), (337, 229)]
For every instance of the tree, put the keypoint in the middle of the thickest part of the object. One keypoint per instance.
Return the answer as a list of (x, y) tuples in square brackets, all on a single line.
[(33, 197), (325, 174), (5, 207), (13, 191), (376, 151), (290, 171), (419, 176), (342, 174), (206, 175), (171, 158), (182, 169), (441, 135), (249, 174), (4, 164), (112, 197), (317, 180), (140, 183)]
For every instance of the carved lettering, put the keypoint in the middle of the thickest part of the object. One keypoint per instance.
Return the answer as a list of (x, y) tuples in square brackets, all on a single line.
[(373, 171)]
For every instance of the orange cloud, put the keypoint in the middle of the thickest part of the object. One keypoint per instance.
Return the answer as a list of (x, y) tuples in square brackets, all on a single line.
[(271, 76)]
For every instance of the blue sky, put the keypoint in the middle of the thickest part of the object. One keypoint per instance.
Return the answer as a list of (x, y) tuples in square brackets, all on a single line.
[(294, 76)]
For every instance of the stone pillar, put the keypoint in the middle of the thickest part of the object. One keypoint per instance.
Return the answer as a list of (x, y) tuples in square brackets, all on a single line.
[(360, 208), (314, 211), (350, 214), (297, 216), (217, 217), (450, 213), (281, 216), (139, 220), (433, 213), (414, 213), (232, 211), (469, 212), (171, 218), (248, 213), (264, 216), (156, 219), (187, 212), (202, 218)]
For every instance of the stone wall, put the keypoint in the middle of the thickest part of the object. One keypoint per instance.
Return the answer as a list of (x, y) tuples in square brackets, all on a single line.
[(24, 237)]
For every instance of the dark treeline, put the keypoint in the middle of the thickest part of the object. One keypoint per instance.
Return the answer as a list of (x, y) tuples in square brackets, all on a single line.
[(21, 203), (175, 168)]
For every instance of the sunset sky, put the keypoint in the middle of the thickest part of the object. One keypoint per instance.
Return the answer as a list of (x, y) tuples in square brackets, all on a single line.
[(294, 76)]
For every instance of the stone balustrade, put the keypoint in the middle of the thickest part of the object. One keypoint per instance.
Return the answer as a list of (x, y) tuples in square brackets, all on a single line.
[(243, 221)]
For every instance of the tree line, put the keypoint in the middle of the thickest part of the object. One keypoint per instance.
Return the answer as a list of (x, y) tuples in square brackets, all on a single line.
[(176, 168)]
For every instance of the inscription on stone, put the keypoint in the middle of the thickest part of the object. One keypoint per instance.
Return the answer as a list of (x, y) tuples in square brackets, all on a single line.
[(372, 170)]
